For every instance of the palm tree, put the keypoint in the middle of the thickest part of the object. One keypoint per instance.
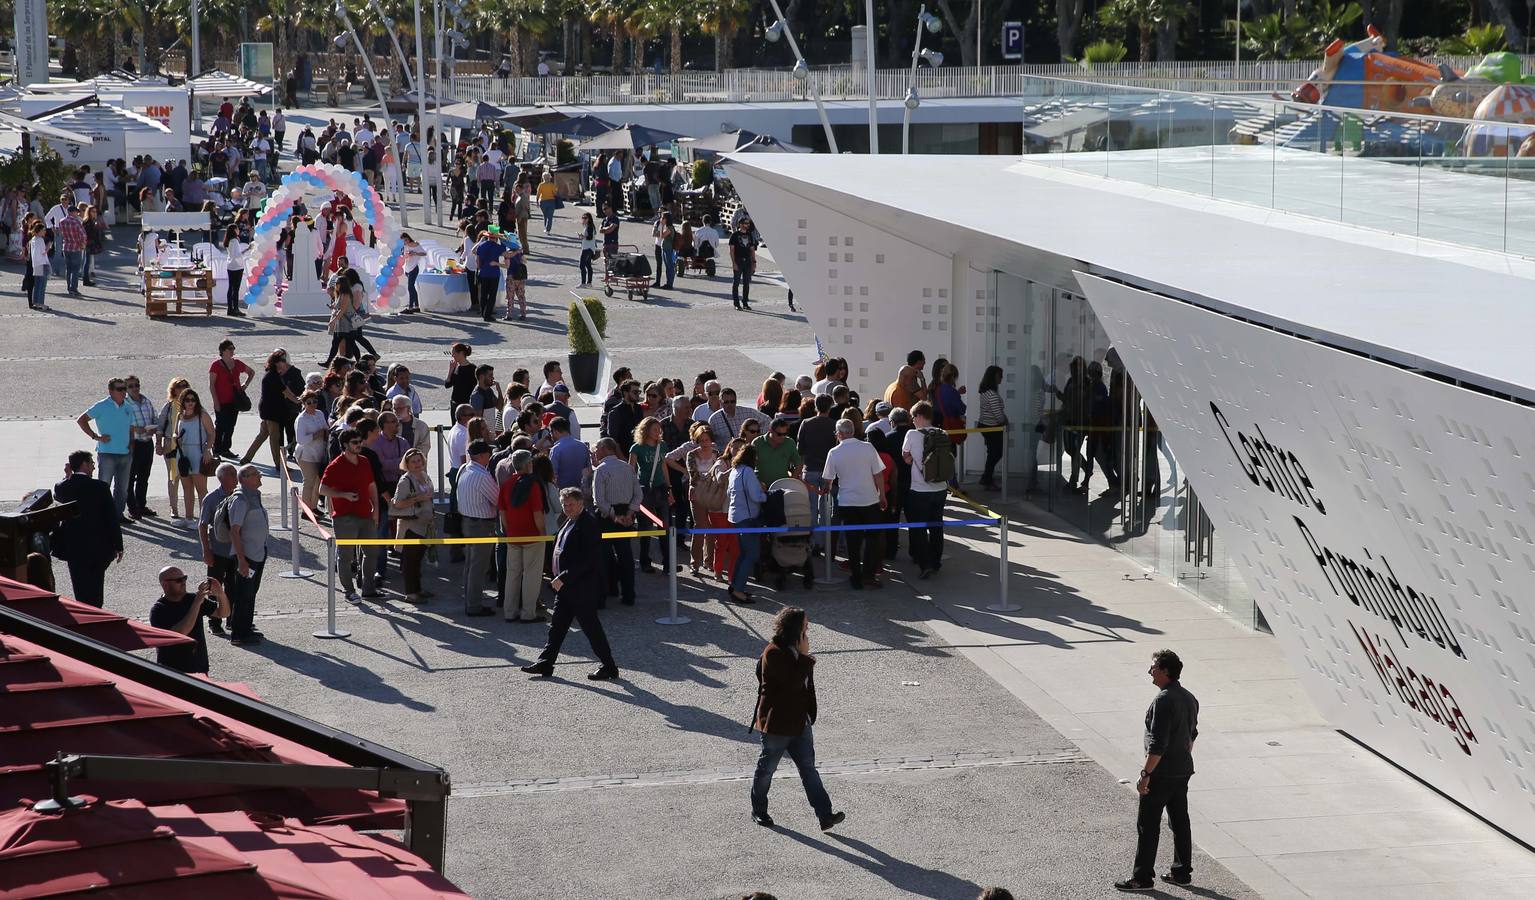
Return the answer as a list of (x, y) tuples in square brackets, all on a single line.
[(723, 18), (611, 15), (1145, 17), (89, 25)]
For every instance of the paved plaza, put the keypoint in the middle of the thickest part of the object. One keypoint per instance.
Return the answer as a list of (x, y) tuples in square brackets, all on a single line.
[(967, 747)]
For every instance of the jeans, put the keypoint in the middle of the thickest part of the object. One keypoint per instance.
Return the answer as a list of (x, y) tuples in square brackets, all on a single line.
[(751, 546), (587, 273), (138, 476), (232, 291), (354, 527), (224, 419), (242, 599), (548, 207), (993, 455), (926, 543), (621, 559), (669, 256), (524, 578), (801, 749), (1170, 792), (740, 287), (476, 561), (660, 264), (90, 267), (864, 548), (114, 469), (410, 285), (39, 287)]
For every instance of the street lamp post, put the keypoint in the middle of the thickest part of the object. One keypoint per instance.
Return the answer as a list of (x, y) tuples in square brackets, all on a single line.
[(780, 28), (383, 99), (428, 213), (197, 51), (929, 22), (868, 43)]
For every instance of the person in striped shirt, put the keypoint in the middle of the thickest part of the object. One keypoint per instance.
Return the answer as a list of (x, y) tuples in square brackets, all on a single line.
[(993, 414)]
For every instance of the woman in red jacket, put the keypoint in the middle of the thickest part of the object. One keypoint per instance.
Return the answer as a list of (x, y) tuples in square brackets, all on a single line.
[(785, 711)]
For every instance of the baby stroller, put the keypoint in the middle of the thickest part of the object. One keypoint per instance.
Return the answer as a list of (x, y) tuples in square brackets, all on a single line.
[(791, 552)]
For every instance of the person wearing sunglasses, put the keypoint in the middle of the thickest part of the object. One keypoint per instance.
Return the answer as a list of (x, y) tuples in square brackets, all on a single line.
[(183, 613), (113, 434)]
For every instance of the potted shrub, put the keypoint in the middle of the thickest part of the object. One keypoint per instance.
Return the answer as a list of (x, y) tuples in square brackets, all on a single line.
[(583, 347), (703, 173)]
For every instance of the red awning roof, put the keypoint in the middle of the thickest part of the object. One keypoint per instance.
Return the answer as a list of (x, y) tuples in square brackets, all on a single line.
[(124, 849), (51, 703), (107, 627)]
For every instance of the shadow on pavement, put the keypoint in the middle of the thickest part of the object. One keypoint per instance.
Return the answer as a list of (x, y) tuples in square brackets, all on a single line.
[(900, 874)]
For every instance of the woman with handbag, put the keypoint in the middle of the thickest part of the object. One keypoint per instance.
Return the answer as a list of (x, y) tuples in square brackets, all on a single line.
[(705, 495), (727, 547), (194, 450), (226, 387), (648, 459), (411, 509), (311, 432), (165, 441)]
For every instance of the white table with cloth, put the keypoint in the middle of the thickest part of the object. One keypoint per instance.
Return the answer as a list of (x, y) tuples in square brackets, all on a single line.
[(443, 291)]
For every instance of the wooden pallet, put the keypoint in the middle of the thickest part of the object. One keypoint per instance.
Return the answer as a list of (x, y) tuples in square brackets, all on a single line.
[(178, 293)]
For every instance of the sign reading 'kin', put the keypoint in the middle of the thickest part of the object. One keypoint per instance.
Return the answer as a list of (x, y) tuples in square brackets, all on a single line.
[(1383, 522)]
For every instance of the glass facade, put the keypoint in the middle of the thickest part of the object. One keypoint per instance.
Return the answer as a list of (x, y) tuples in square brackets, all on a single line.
[(1085, 447)]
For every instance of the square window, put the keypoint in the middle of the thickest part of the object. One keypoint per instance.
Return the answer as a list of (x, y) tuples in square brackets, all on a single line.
[(927, 309), (802, 256), (879, 356), (847, 290), (831, 257), (847, 339), (847, 307), (863, 290), (926, 293), (926, 325), (943, 308), (863, 307), (943, 326), (803, 240), (831, 273), (847, 323), (863, 323), (879, 258), (863, 373), (847, 240), (847, 257), (801, 223), (831, 323), (943, 292), (831, 241)]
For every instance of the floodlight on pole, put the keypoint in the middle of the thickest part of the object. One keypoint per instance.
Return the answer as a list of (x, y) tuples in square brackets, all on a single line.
[(926, 21), (774, 32), (802, 73)]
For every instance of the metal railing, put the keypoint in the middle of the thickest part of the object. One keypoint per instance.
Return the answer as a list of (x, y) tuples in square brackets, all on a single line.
[(1456, 181)]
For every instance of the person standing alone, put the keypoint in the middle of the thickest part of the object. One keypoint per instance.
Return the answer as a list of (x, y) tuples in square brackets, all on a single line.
[(578, 589), (786, 710), (1172, 724)]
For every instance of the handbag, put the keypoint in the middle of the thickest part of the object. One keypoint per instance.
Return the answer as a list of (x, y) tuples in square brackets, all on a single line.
[(709, 489), (208, 467)]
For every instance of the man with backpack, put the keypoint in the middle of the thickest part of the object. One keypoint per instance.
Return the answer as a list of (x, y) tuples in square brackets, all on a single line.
[(930, 454), (242, 521), (218, 556)]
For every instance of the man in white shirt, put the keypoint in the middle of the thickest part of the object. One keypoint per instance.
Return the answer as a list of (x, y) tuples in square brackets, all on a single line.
[(702, 413), (726, 422), (51, 219), (458, 435), (924, 500), (855, 468), (836, 373), (477, 496), (543, 68), (708, 234), (364, 134)]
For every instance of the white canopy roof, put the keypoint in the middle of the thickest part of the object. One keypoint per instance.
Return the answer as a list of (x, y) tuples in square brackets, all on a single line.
[(98, 119), (220, 84), (9, 122)]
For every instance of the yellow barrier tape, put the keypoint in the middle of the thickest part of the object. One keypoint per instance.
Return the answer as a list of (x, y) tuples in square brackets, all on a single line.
[(421, 542), (973, 504)]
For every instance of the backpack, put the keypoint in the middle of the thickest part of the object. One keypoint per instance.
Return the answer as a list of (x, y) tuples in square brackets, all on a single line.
[(937, 456), (221, 519)]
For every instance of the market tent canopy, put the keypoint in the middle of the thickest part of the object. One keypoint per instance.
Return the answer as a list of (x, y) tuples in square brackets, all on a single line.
[(725, 141), (44, 129), (126, 849), (471, 113), (406, 102), (766, 143), (630, 137), (532, 116), (220, 84), (577, 126)]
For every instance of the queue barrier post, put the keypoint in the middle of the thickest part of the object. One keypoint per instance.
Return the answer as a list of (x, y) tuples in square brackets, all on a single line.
[(293, 534), (442, 454), (285, 484), (672, 618), (1002, 604), (1007, 432), (832, 580), (331, 632)]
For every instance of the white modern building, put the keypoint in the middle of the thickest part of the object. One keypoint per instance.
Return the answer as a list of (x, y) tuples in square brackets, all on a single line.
[(1321, 395)]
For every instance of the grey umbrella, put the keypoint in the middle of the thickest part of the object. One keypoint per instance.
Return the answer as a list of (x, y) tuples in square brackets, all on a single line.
[(725, 141), (630, 137), (532, 116), (579, 126), (470, 113)]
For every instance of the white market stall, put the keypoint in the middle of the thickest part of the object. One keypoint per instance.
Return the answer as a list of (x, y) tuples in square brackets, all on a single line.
[(218, 85), (117, 133)]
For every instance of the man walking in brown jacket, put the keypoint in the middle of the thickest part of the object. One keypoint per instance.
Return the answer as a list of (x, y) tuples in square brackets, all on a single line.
[(785, 711)]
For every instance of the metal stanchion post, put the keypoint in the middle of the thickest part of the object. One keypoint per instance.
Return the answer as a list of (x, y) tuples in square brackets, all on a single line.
[(1002, 605), (296, 571), (1007, 470), (330, 596), (671, 580), (283, 483), (442, 453), (832, 580)]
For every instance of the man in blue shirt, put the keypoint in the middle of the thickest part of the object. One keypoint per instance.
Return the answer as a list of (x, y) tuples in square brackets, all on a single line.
[(487, 261), (113, 437), (571, 458)]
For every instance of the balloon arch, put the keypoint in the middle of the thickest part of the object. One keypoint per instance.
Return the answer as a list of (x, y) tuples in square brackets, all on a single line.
[(263, 276)]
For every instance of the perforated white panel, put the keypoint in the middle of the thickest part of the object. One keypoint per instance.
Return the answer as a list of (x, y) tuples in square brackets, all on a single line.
[(869, 296), (1385, 523)]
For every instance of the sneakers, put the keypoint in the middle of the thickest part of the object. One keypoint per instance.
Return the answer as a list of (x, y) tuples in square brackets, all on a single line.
[(1175, 878), (1130, 885), (763, 819)]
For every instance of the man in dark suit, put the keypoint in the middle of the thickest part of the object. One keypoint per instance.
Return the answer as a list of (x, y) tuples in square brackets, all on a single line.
[(93, 539), (578, 587)]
